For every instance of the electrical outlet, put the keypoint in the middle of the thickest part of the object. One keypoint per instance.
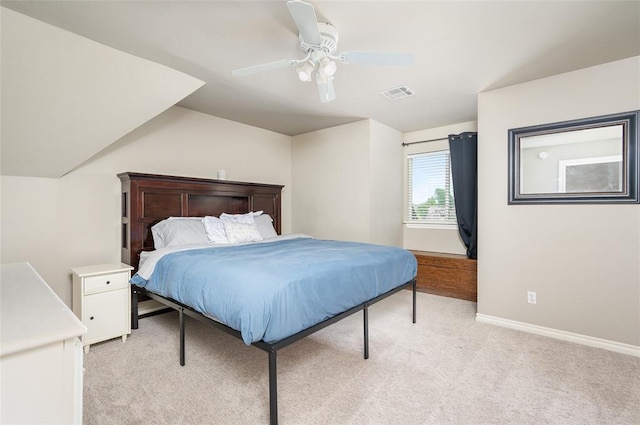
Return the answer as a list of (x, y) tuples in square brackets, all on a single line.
[(531, 297)]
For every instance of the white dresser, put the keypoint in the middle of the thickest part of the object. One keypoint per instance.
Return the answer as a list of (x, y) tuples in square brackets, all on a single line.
[(102, 300), (40, 353)]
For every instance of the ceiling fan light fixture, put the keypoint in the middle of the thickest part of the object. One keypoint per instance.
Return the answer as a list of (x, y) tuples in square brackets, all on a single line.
[(325, 87), (305, 71), (328, 67)]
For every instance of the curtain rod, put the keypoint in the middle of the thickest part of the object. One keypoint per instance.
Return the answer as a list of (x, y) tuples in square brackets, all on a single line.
[(425, 141), (455, 136)]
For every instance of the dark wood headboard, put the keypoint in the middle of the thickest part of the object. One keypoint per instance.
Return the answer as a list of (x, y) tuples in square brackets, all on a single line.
[(149, 198)]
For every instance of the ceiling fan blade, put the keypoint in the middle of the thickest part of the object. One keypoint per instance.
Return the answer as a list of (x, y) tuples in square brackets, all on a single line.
[(264, 67), (304, 16), (325, 88), (377, 58)]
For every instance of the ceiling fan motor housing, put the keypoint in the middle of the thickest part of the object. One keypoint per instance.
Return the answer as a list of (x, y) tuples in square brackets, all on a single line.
[(328, 40)]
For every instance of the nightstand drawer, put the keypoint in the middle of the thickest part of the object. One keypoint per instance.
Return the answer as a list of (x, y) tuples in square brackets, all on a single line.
[(105, 282)]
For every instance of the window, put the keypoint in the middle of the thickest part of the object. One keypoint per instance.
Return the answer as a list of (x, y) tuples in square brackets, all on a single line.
[(599, 174), (429, 189)]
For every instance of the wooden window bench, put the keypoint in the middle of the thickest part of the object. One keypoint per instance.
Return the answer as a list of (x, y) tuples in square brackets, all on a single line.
[(449, 275)]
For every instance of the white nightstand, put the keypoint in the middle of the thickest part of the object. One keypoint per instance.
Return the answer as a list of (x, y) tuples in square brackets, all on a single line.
[(102, 300)]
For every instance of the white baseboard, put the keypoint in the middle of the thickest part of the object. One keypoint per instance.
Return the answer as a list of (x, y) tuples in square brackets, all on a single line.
[(618, 347)]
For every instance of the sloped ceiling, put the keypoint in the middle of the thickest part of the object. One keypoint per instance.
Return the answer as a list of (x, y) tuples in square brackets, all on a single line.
[(65, 97)]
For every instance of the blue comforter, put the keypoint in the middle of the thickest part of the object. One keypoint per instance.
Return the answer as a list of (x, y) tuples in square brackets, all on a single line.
[(269, 291)]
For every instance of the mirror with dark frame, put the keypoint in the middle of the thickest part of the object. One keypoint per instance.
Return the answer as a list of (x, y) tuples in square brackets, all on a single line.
[(590, 160)]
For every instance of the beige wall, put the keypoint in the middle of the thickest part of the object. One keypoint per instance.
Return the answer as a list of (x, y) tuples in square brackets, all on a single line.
[(582, 260), (431, 238), (60, 223), (385, 184), (326, 204), (341, 177)]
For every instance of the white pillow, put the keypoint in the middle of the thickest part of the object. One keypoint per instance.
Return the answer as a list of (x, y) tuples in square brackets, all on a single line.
[(241, 232), (214, 228), (176, 231), (241, 218), (264, 223)]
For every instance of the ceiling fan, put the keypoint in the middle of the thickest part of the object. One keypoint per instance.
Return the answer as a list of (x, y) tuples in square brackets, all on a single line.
[(319, 42)]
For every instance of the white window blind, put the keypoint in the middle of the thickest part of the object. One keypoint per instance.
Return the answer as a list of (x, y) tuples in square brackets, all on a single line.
[(429, 188)]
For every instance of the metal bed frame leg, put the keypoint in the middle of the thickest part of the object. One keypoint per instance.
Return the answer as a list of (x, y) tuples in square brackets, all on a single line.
[(273, 388), (365, 311), (134, 308), (414, 301), (182, 356)]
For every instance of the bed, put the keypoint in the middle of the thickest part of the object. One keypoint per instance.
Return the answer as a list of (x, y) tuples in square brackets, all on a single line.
[(304, 284)]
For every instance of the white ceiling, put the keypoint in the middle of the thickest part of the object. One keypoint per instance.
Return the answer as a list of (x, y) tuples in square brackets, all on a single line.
[(461, 49)]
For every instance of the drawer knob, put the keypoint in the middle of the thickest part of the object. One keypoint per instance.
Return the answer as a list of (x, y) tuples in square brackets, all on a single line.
[(108, 282), (91, 318)]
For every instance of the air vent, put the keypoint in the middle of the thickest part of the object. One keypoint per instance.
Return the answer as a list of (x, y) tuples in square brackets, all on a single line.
[(397, 93)]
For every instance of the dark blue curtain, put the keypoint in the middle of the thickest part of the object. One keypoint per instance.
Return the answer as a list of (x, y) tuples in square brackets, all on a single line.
[(464, 172)]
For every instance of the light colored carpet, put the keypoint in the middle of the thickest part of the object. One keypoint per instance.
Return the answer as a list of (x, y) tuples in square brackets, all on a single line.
[(445, 369)]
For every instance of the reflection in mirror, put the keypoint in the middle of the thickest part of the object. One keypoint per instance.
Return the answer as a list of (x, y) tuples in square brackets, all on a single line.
[(589, 160)]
